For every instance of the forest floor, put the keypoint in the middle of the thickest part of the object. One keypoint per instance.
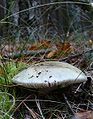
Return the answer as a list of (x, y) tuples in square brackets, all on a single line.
[(71, 102)]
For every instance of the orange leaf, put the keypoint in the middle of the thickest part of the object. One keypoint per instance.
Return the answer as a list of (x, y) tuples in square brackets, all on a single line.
[(63, 46), (33, 47), (45, 43), (40, 44), (51, 54), (66, 46)]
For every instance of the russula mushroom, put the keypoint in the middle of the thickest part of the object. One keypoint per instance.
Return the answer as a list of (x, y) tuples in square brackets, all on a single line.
[(49, 74)]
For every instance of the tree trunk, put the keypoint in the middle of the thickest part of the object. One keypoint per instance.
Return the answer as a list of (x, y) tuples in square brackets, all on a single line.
[(2, 14), (15, 10)]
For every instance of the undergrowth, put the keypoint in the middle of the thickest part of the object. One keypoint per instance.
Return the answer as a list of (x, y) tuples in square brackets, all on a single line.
[(19, 48)]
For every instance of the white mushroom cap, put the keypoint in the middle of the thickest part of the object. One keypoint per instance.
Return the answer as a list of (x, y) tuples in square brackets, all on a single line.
[(49, 74)]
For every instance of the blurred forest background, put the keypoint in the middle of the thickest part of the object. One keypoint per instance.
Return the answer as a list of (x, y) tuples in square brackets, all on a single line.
[(39, 30), (41, 19)]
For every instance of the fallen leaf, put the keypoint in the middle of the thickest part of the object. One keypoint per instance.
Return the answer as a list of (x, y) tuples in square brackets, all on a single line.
[(40, 45), (63, 46), (46, 43), (84, 115), (51, 54), (33, 47)]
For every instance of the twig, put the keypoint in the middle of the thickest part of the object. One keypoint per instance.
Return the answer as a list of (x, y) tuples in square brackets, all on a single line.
[(38, 105), (42, 51), (21, 103), (68, 104), (26, 53), (34, 115), (76, 55)]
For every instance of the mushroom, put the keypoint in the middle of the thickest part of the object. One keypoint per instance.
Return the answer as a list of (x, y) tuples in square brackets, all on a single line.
[(49, 75)]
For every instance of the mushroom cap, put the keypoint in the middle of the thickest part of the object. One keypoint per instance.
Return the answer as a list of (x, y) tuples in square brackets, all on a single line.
[(49, 74)]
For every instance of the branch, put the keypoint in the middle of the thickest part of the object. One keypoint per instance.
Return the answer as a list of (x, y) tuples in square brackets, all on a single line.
[(76, 55), (26, 53)]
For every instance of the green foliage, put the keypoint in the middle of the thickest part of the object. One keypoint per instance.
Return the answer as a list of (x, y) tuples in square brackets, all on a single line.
[(9, 69), (7, 102)]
